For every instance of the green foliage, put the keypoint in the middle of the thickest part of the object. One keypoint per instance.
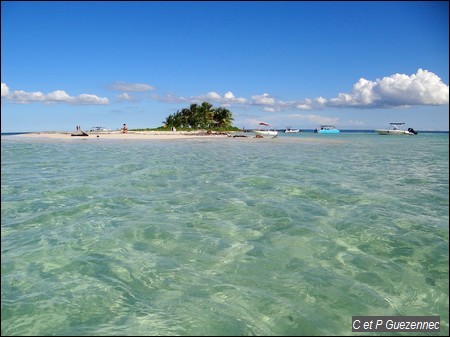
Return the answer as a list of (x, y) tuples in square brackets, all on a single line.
[(202, 116)]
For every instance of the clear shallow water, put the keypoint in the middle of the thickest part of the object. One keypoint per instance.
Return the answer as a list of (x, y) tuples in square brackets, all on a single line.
[(222, 237)]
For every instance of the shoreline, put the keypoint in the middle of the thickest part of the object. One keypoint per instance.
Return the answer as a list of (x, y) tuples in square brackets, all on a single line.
[(130, 135), (117, 135)]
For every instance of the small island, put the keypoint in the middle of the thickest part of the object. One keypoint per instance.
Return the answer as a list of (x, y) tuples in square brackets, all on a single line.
[(198, 117)]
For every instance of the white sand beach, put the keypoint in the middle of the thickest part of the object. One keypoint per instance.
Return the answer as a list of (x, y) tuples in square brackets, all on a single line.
[(167, 135), (130, 135)]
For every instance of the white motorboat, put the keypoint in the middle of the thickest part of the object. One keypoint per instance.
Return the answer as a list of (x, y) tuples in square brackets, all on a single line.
[(291, 130), (98, 128), (265, 131), (396, 129)]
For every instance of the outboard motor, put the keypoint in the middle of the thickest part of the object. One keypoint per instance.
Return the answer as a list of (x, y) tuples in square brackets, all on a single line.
[(412, 131)]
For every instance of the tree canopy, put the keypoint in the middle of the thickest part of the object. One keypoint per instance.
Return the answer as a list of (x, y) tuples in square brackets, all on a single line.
[(202, 116)]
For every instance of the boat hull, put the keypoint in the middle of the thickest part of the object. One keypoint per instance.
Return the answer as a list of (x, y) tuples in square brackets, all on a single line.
[(292, 131), (266, 132), (393, 132), (328, 131)]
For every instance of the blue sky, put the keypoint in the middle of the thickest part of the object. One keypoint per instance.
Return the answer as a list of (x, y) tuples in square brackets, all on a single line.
[(357, 65)]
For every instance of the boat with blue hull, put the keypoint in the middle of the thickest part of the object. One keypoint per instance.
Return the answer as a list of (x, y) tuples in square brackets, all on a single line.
[(327, 129)]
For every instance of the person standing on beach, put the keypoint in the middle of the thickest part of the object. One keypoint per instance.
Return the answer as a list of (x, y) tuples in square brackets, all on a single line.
[(125, 128)]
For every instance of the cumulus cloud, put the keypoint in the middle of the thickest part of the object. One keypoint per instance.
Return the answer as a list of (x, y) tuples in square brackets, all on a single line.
[(90, 99), (312, 104), (264, 99), (125, 97), (131, 87), (422, 88), (212, 96), (5, 90), (398, 90), (23, 97), (57, 96), (227, 99)]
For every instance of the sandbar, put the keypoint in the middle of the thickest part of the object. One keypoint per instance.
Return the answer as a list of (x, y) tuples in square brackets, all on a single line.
[(165, 135), (130, 135)]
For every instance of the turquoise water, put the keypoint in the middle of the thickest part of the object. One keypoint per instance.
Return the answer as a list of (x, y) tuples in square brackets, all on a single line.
[(230, 236)]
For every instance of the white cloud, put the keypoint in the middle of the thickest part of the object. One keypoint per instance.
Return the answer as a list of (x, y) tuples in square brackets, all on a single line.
[(125, 97), (264, 99), (304, 107), (229, 95), (131, 87), (320, 101), (57, 96), (398, 90), (23, 97), (90, 99), (312, 104), (5, 90), (213, 96), (422, 88), (230, 98), (227, 99)]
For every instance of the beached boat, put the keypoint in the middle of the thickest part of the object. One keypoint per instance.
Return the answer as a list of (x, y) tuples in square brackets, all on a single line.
[(291, 130), (98, 128), (327, 129), (396, 129), (265, 131)]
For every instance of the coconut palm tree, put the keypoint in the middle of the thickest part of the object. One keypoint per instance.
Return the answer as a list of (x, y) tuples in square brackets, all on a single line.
[(206, 114), (223, 117), (200, 116), (170, 121)]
